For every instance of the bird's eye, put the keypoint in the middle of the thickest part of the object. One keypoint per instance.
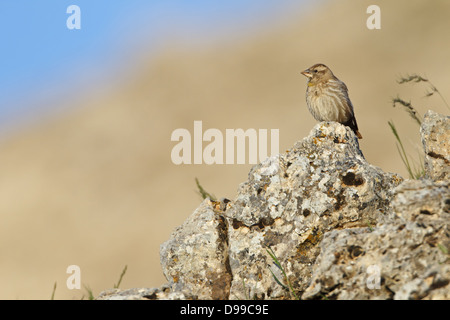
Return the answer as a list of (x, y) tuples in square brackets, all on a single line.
[(315, 70)]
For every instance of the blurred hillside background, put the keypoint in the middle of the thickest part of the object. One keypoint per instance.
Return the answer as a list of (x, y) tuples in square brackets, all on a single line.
[(86, 115)]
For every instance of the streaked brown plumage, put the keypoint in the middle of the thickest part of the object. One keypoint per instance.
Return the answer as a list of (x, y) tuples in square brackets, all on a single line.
[(327, 97)]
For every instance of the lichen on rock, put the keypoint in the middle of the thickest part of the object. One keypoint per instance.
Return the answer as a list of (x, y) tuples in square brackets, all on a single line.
[(321, 184), (406, 257), (435, 133)]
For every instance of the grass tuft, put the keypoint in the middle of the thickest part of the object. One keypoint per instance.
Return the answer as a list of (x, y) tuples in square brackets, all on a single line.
[(429, 92), (277, 263), (89, 292), (415, 170), (409, 108)]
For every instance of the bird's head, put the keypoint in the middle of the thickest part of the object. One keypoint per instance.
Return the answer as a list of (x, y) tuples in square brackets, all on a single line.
[(318, 73)]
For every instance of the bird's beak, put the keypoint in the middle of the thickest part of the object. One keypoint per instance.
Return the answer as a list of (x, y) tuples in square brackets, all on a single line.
[(306, 73)]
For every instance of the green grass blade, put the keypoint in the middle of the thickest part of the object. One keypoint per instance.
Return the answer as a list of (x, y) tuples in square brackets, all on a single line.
[(203, 192), (278, 264), (53, 292), (116, 286), (401, 149)]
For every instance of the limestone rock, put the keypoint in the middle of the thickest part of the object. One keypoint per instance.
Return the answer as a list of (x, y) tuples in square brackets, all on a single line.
[(287, 204), (195, 258), (291, 200), (340, 227), (435, 133), (163, 293), (404, 259)]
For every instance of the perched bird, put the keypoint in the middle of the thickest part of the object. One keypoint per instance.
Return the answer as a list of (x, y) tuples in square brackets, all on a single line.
[(327, 97)]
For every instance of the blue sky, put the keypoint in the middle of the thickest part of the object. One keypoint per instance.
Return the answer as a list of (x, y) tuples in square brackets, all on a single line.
[(40, 57)]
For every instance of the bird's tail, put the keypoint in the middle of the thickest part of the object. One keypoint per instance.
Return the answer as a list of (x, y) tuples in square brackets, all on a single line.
[(352, 124)]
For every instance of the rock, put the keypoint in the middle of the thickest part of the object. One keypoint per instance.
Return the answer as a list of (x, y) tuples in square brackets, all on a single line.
[(291, 200), (163, 293), (195, 259), (337, 226), (404, 259), (435, 133), (287, 204)]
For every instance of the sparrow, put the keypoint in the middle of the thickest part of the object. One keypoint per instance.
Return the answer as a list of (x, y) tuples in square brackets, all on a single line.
[(327, 97)]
